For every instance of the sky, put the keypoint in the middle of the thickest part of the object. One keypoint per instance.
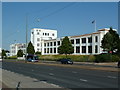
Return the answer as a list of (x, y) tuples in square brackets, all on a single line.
[(68, 18)]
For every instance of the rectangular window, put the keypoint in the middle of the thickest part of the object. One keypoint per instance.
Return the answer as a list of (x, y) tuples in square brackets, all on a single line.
[(58, 42), (54, 43), (50, 50), (50, 43), (83, 49), (38, 44), (54, 50), (89, 49), (45, 44), (96, 49), (77, 41), (96, 38), (77, 49), (38, 39), (72, 41), (47, 50), (89, 39), (44, 50), (83, 40)]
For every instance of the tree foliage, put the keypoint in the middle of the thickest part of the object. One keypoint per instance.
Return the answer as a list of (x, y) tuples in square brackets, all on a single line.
[(110, 41), (20, 53), (30, 48), (66, 47), (3, 54), (38, 53)]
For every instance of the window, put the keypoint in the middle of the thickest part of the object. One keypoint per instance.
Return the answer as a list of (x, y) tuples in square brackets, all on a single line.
[(77, 41), (37, 33), (54, 43), (37, 49), (58, 42), (96, 49), (47, 50), (83, 49), (50, 50), (43, 33), (83, 40), (50, 43), (53, 34), (38, 44), (78, 49), (44, 50), (54, 50), (89, 39), (72, 41), (96, 38), (32, 32), (89, 49), (38, 39), (45, 44), (48, 34)]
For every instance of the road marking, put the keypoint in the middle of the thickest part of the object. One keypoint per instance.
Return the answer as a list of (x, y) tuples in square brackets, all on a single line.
[(111, 77), (51, 74), (83, 80), (51, 69), (74, 72)]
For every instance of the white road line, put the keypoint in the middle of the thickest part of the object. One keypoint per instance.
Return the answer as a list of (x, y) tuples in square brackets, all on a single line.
[(111, 77), (83, 80), (51, 74), (74, 72), (32, 70)]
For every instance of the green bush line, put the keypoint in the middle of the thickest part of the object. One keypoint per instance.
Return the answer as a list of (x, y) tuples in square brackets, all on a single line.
[(79, 58)]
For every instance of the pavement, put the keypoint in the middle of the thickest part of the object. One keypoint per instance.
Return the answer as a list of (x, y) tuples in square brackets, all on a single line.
[(15, 80)]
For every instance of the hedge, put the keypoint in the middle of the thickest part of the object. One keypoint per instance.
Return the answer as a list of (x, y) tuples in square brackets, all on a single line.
[(77, 58)]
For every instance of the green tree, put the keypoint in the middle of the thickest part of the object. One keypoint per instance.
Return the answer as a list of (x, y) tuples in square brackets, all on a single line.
[(3, 54), (20, 53), (110, 41), (30, 48), (38, 53), (66, 47)]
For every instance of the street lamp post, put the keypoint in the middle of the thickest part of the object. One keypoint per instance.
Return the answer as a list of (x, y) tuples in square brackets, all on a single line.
[(26, 37)]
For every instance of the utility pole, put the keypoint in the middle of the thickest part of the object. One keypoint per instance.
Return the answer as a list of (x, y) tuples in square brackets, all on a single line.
[(26, 37)]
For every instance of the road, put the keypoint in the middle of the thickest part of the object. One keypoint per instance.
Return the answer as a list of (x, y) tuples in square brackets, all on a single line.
[(65, 77)]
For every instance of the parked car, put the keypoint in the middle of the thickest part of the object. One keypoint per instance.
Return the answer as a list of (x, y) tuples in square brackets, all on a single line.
[(32, 58), (66, 61)]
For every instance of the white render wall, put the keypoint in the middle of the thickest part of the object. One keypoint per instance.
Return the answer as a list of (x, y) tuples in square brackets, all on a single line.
[(39, 35), (99, 34)]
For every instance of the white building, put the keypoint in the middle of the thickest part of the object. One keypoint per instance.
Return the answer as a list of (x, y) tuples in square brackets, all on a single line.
[(46, 41), (15, 47), (39, 35)]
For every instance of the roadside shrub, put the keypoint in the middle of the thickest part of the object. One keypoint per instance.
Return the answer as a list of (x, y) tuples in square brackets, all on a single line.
[(77, 58), (106, 58), (12, 57)]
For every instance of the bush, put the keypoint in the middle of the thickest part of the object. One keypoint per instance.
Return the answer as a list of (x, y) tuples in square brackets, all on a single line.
[(106, 58), (77, 58), (12, 57)]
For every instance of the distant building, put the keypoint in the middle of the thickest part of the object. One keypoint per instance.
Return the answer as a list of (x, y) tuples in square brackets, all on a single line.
[(46, 41), (39, 35), (15, 47)]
